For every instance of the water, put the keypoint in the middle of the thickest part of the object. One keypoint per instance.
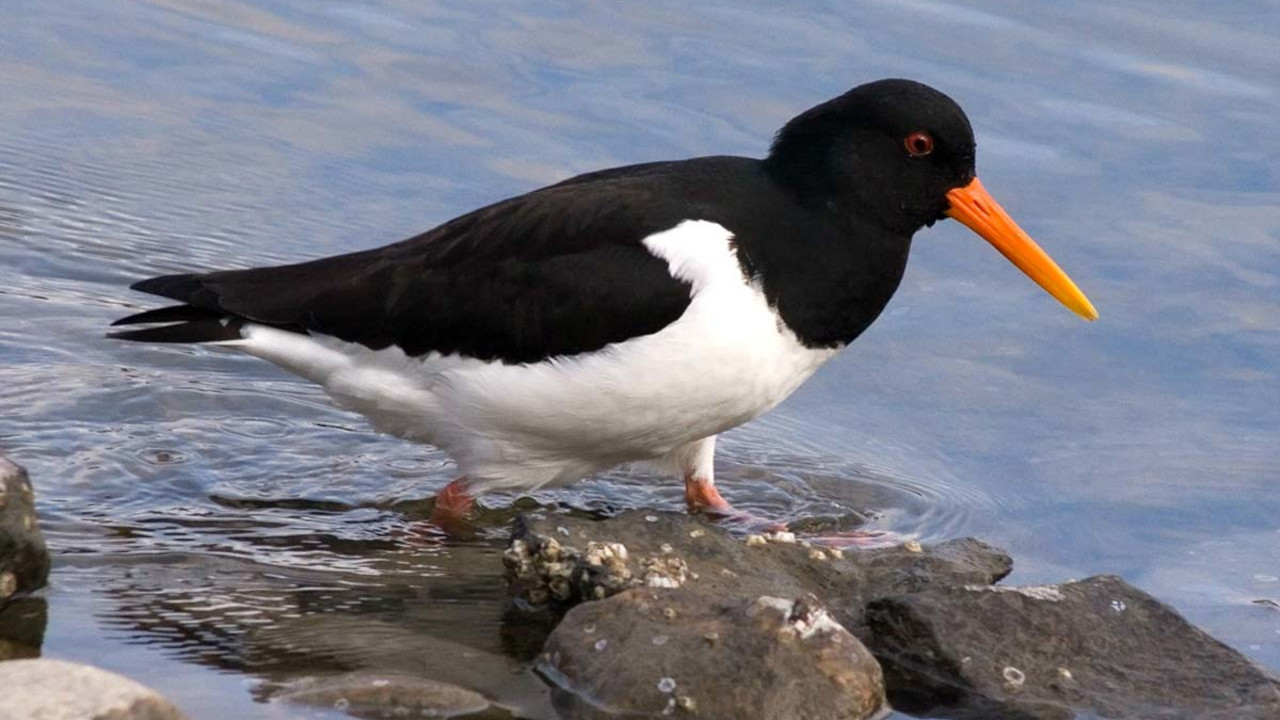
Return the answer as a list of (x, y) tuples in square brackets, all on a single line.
[(219, 528)]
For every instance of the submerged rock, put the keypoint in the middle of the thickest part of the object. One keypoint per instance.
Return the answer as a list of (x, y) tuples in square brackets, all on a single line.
[(59, 690), (22, 624), (374, 696), (1097, 647), (24, 559), (683, 653), (560, 561), (333, 653)]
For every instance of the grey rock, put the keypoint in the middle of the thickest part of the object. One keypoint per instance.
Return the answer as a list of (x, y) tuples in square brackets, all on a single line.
[(559, 561), (374, 696), (656, 652), (24, 559), (59, 690), (1098, 648)]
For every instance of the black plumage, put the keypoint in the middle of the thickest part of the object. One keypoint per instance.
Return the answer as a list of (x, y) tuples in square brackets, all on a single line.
[(823, 224)]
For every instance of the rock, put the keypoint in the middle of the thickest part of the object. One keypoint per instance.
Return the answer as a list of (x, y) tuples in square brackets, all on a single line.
[(290, 651), (59, 690), (653, 652), (386, 695), (1097, 647), (24, 559), (561, 561), (22, 624)]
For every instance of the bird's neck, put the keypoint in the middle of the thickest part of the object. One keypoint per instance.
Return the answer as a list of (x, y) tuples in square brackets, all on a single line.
[(829, 277)]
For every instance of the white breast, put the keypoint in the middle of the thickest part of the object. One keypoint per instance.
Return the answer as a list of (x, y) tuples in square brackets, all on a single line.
[(727, 359)]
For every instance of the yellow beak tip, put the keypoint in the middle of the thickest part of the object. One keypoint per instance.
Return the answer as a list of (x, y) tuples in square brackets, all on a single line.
[(1085, 310)]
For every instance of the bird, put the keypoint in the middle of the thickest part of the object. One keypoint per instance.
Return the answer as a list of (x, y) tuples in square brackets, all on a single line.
[(627, 315)]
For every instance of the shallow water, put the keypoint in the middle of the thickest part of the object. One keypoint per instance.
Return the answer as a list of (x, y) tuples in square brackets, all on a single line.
[(218, 527)]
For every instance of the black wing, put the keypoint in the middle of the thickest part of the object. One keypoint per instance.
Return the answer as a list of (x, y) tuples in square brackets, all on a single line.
[(558, 271)]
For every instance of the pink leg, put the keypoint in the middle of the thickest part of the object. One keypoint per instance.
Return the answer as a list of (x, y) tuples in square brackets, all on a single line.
[(700, 494), (697, 459), (453, 506)]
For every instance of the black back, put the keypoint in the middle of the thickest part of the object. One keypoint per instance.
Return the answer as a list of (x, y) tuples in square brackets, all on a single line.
[(823, 225)]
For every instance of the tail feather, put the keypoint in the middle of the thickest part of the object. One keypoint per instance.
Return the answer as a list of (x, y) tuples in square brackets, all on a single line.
[(197, 322), (183, 287), (194, 331), (171, 314)]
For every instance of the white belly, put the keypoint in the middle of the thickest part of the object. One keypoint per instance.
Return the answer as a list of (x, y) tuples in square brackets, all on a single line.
[(726, 360)]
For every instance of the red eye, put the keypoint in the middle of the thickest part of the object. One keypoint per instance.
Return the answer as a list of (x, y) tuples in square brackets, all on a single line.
[(919, 143)]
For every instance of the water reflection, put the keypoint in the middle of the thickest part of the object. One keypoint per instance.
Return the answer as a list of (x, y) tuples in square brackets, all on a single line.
[(301, 611)]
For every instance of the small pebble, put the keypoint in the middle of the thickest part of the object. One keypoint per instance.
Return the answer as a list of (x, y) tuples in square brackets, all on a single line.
[(756, 540), (601, 644), (711, 637), (1065, 674), (686, 703), (781, 536), (669, 613), (697, 533), (816, 554), (651, 518), (836, 553), (666, 685), (8, 584), (551, 548), (660, 639), (1117, 605), (560, 588), (666, 548), (913, 546), (1013, 677)]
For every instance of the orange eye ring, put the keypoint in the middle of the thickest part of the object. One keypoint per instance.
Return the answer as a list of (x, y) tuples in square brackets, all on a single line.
[(918, 143)]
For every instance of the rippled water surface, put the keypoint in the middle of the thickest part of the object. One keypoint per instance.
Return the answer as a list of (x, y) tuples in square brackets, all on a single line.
[(220, 528)]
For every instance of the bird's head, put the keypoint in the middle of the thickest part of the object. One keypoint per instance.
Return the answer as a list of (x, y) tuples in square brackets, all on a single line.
[(900, 154)]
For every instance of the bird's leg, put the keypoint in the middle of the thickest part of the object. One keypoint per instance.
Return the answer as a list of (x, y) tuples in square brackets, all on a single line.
[(701, 495), (453, 506), (697, 461)]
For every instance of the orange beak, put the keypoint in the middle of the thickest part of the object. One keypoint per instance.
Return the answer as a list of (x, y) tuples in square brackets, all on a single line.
[(978, 211)]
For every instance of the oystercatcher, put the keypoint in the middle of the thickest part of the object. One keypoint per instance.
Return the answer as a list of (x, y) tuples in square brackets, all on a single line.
[(626, 315)]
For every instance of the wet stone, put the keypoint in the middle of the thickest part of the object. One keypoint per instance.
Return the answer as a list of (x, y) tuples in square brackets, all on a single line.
[(657, 652), (59, 690), (24, 559), (1096, 647), (22, 625), (388, 695), (560, 561)]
